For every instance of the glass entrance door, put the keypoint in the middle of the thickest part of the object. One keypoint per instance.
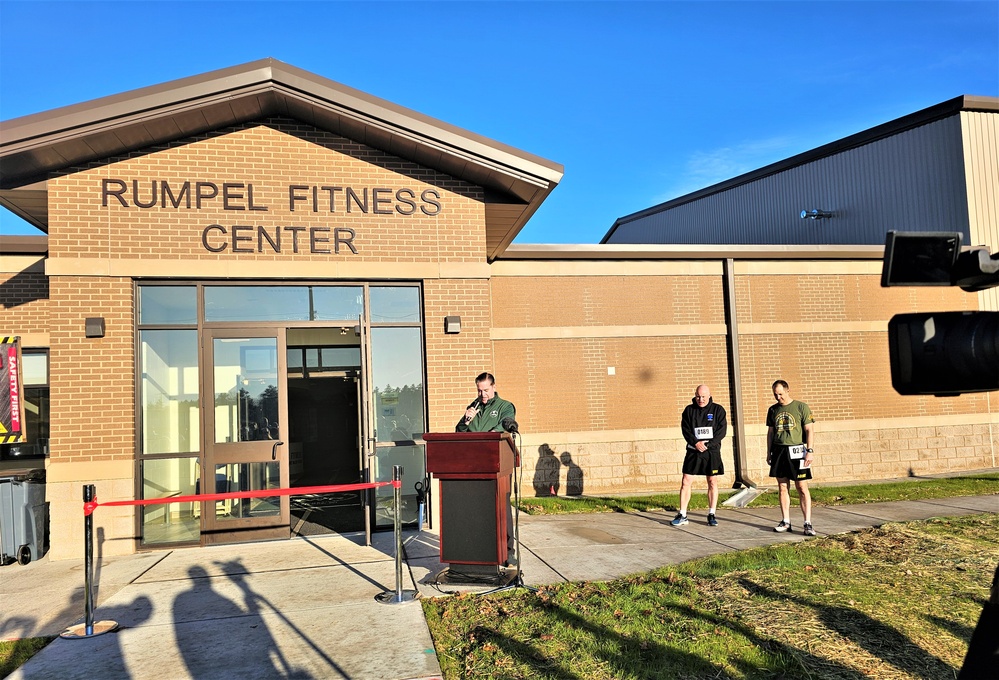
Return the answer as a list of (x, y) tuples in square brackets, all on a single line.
[(246, 430), (324, 424)]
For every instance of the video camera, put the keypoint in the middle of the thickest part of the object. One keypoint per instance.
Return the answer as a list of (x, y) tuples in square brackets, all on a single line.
[(941, 353)]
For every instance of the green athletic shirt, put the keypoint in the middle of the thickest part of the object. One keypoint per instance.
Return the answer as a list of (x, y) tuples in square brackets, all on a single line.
[(789, 422), (489, 418)]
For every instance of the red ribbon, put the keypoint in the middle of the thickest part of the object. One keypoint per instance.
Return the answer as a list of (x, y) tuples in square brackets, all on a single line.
[(88, 508)]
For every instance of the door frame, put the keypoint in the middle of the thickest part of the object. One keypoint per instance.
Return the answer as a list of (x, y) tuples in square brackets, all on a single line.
[(213, 530)]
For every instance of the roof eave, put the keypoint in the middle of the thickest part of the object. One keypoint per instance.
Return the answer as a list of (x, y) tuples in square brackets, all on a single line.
[(554, 251), (94, 130)]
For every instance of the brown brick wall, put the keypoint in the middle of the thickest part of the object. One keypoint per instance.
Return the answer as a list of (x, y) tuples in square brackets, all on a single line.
[(841, 297), (841, 376), (606, 300), (622, 430), (24, 303), (562, 385), (92, 412), (271, 157), (454, 360), (92, 379)]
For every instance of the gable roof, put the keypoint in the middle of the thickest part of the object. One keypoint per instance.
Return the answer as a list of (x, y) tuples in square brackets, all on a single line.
[(32, 147)]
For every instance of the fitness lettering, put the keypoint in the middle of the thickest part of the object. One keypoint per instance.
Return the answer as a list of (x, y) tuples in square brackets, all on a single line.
[(239, 196)]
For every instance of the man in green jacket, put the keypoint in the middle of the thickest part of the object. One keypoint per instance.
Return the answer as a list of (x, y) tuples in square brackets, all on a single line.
[(488, 411), (487, 414)]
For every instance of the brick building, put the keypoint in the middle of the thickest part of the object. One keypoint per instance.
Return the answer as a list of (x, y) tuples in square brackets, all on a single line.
[(246, 280)]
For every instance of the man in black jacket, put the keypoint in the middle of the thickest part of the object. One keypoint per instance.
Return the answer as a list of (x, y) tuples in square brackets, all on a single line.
[(703, 424)]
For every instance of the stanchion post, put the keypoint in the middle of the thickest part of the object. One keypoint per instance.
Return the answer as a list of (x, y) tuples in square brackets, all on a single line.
[(88, 628), (89, 493), (397, 471), (399, 595)]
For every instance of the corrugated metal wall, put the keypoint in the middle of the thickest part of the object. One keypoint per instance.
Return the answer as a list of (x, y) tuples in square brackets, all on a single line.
[(914, 180), (981, 140)]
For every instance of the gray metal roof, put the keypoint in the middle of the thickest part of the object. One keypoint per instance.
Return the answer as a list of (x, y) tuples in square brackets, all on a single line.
[(907, 170), (33, 147)]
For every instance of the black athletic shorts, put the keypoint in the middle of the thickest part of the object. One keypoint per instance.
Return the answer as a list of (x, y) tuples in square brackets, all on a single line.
[(707, 463), (783, 467)]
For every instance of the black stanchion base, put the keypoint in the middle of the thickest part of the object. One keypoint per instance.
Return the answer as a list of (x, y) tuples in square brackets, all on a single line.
[(476, 574), (79, 632)]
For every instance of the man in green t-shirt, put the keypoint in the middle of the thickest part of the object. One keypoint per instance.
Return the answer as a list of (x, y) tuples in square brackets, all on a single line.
[(789, 453)]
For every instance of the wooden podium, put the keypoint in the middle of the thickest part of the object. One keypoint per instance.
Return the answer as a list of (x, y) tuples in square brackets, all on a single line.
[(474, 469)]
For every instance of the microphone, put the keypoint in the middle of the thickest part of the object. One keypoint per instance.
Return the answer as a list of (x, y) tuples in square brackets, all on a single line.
[(475, 404), (510, 425)]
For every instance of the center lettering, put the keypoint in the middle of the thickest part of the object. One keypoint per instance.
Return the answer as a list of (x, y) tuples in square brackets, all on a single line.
[(241, 238)]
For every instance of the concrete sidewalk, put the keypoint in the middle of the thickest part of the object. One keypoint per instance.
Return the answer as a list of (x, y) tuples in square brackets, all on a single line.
[(306, 608)]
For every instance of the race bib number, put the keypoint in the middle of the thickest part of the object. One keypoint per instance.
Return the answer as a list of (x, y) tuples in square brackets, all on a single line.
[(796, 452), (704, 432)]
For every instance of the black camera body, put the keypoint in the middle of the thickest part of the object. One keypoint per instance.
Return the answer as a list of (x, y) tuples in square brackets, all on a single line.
[(941, 353)]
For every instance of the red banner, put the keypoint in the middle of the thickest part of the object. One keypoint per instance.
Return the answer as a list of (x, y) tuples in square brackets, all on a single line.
[(11, 404)]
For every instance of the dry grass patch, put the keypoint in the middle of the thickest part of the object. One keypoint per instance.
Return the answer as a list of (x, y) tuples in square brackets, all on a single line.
[(899, 601)]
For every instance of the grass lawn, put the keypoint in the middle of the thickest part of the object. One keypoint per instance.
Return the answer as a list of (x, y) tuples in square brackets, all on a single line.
[(16, 652), (899, 601), (923, 489)]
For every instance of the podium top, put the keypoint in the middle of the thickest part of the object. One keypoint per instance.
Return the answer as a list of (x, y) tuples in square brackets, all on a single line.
[(465, 436), (470, 454)]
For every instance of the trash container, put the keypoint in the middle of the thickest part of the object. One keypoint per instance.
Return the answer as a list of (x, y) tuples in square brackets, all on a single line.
[(23, 515)]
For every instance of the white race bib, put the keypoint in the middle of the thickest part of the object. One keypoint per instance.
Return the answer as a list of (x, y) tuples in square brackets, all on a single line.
[(797, 451), (704, 432)]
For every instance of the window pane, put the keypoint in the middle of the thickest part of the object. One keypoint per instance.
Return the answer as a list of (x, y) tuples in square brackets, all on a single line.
[(171, 522), (413, 470), (246, 389), (168, 305), (256, 303), (341, 357), (395, 304), (35, 368), (247, 477), (168, 391), (338, 303), (397, 373)]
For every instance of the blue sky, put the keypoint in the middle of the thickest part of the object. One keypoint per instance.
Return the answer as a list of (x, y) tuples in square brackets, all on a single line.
[(640, 101)]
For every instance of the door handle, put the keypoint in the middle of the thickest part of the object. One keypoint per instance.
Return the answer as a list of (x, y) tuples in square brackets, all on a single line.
[(274, 450)]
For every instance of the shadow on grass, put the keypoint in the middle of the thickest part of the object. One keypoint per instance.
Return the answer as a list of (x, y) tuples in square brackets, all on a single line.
[(958, 630), (624, 656), (878, 639)]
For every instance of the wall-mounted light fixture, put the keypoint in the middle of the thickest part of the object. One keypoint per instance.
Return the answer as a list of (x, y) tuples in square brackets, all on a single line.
[(452, 324), (816, 214), (94, 326)]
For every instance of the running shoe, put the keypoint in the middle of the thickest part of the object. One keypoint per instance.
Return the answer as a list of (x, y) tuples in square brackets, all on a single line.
[(782, 527), (712, 521), (679, 520), (809, 529)]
